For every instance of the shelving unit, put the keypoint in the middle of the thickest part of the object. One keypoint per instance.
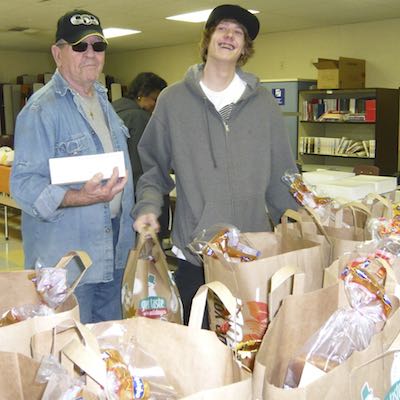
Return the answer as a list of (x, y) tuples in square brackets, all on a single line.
[(320, 142)]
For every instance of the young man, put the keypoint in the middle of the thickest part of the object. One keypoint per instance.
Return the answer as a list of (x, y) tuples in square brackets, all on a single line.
[(71, 116), (224, 137)]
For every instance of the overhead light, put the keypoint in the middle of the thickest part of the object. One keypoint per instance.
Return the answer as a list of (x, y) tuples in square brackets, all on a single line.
[(117, 32), (197, 16)]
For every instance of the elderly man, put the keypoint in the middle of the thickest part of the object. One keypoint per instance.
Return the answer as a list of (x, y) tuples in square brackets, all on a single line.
[(71, 116), (224, 137)]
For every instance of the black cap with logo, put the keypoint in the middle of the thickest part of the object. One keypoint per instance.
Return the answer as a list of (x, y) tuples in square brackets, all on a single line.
[(237, 13), (77, 25)]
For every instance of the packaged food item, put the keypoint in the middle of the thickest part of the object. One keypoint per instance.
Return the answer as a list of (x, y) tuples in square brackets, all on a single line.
[(132, 373), (227, 240), (21, 313), (246, 353), (305, 196), (122, 385), (349, 328)]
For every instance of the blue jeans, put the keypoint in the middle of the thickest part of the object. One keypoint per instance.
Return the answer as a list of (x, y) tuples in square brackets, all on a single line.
[(102, 301), (188, 279)]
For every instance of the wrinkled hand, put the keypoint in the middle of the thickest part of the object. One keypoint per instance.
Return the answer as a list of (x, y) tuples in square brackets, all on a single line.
[(95, 191), (142, 221)]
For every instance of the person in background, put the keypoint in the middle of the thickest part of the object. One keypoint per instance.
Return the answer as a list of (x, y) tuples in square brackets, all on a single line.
[(71, 116), (135, 110), (224, 136)]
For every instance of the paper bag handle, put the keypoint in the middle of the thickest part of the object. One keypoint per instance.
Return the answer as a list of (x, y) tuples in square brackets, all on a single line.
[(143, 237), (84, 260), (318, 223), (294, 215), (199, 302), (278, 279), (381, 199), (88, 360)]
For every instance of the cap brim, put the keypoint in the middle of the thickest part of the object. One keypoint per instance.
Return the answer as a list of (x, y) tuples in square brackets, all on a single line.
[(90, 34)]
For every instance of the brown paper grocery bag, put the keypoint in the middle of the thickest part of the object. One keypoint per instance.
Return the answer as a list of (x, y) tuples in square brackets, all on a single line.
[(250, 282), (17, 378), (378, 378), (345, 233), (195, 362), (17, 289), (379, 206), (148, 289), (307, 229), (298, 319)]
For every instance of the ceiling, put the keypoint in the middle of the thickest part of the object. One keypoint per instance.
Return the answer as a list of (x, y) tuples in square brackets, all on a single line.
[(30, 24)]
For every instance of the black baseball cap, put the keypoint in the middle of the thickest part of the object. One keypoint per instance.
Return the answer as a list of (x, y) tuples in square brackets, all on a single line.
[(237, 13), (77, 25)]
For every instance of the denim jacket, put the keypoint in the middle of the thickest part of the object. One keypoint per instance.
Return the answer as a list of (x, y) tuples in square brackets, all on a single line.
[(52, 124)]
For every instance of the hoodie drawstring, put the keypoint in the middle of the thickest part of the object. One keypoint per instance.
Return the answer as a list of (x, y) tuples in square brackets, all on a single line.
[(209, 134)]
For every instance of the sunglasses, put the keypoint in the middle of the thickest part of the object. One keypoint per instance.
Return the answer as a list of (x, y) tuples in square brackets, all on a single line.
[(81, 47)]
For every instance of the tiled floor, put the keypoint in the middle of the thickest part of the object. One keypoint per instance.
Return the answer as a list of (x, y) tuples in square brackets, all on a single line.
[(11, 253)]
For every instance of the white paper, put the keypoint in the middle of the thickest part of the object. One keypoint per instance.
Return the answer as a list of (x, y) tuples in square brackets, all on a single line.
[(66, 170)]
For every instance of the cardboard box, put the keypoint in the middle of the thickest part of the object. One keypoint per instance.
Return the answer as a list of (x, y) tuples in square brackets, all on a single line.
[(345, 73), (64, 170)]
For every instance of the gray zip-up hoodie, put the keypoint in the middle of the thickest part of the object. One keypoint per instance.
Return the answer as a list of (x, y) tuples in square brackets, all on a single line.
[(225, 172)]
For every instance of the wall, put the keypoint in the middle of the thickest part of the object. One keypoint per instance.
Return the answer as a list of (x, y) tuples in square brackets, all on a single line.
[(16, 63), (278, 55), (284, 55)]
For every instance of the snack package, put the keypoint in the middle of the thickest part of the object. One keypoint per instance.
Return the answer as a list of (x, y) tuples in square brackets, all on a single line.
[(21, 313), (132, 373), (226, 239), (348, 329), (305, 196), (51, 284)]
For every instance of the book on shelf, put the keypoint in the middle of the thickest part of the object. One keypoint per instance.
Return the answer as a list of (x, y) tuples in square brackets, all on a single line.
[(356, 117), (333, 116)]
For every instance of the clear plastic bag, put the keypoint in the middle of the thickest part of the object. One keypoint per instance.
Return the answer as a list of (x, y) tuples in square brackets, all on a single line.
[(348, 329), (60, 385), (26, 311), (226, 239), (51, 284), (306, 197), (132, 372)]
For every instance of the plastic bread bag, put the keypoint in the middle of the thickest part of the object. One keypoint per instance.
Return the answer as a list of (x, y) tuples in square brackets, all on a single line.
[(383, 227), (51, 284), (227, 239), (60, 385), (132, 373), (26, 311), (349, 329), (306, 197)]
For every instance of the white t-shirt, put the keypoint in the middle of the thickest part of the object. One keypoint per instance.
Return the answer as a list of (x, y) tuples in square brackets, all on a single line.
[(231, 94)]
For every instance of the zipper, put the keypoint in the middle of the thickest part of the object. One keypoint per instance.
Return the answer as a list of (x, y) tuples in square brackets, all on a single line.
[(226, 127)]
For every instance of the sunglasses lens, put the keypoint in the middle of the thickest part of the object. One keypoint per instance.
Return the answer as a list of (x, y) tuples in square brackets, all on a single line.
[(99, 46), (82, 47)]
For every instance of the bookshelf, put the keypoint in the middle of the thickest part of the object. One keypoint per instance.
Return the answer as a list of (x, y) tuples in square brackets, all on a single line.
[(340, 128)]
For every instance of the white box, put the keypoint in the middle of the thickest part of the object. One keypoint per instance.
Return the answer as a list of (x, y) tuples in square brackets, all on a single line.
[(324, 175), (383, 184), (65, 170), (345, 189)]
